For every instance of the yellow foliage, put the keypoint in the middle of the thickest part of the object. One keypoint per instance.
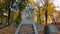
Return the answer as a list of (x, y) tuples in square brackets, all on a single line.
[(50, 10), (33, 2), (14, 15)]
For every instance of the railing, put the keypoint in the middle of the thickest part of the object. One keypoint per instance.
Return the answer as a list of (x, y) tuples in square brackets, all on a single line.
[(17, 31)]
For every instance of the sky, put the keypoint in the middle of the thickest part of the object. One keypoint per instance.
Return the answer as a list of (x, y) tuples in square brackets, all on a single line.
[(57, 3)]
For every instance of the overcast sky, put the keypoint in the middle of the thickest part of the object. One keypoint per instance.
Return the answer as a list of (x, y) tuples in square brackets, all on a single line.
[(57, 3)]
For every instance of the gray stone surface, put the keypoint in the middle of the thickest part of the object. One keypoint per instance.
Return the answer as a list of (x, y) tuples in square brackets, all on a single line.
[(52, 28), (58, 28), (26, 18)]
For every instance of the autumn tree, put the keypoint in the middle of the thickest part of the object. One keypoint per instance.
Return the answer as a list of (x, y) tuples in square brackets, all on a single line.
[(3, 9), (46, 10)]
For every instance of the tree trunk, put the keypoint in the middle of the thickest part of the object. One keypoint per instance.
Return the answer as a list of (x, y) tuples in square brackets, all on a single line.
[(38, 17), (46, 5), (9, 16), (9, 11)]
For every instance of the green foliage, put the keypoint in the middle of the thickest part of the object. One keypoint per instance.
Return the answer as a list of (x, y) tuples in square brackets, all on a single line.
[(23, 4), (3, 9), (13, 15), (4, 3)]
